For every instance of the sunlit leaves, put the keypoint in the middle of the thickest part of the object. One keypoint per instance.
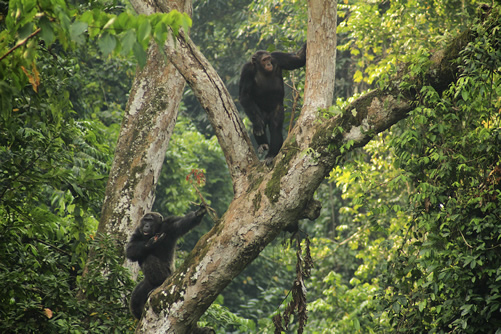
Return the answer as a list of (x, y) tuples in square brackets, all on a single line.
[(130, 32), (448, 150), (380, 35), (33, 27), (115, 34), (76, 31)]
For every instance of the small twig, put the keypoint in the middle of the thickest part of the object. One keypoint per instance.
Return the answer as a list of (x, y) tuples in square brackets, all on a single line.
[(212, 213), (21, 43), (466, 242)]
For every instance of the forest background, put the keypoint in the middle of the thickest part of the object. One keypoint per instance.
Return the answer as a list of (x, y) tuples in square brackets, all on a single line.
[(408, 239)]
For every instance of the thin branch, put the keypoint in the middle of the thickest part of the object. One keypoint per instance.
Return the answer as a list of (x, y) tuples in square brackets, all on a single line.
[(21, 43), (466, 242)]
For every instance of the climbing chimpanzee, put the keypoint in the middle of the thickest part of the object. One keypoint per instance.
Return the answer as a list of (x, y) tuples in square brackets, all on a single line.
[(262, 95), (153, 245)]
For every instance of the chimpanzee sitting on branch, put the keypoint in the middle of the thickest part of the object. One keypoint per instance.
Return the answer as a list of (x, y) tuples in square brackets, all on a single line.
[(261, 94), (153, 245)]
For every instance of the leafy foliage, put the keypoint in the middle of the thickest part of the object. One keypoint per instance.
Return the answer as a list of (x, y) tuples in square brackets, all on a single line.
[(29, 22), (55, 154), (39, 271), (189, 150), (412, 215), (446, 276), (222, 320)]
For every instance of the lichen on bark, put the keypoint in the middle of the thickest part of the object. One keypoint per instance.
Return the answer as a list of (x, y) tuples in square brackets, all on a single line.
[(272, 191)]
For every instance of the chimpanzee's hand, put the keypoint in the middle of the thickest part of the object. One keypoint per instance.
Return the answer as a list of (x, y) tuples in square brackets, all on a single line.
[(262, 148), (154, 239), (201, 211)]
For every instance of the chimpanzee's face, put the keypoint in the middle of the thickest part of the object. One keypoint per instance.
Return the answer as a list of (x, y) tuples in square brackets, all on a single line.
[(266, 63), (150, 223), (262, 61)]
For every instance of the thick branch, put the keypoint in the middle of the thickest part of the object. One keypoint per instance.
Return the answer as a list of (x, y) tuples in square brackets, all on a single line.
[(217, 102), (379, 109)]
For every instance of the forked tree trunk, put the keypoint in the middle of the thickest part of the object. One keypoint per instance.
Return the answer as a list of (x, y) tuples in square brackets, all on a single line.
[(266, 200)]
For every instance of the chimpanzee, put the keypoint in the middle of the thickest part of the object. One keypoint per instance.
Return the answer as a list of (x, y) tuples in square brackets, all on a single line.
[(153, 245), (262, 95)]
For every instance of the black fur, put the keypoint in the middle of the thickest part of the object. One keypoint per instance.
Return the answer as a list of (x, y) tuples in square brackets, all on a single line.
[(261, 94), (153, 246)]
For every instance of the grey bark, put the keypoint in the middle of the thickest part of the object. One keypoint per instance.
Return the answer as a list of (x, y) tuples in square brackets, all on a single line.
[(147, 126)]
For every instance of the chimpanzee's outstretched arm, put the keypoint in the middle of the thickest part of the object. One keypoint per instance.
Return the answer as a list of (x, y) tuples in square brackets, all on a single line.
[(179, 226), (290, 61)]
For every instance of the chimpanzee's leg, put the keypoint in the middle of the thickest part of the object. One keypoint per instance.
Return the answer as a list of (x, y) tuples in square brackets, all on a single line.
[(276, 138)]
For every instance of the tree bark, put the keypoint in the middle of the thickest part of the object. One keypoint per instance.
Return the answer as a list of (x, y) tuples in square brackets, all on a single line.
[(217, 102), (147, 126), (265, 201)]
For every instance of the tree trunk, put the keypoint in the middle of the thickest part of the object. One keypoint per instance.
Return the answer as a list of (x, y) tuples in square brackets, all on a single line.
[(265, 201), (147, 126)]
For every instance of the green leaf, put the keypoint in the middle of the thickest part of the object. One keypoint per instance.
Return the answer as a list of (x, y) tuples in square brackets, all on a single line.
[(127, 41), (422, 305), (122, 21), (76, 30), (396, 307), (356, 324), (465, 94), (140, 54), (46, 33), (186, 22), (25, 31), (160, 33), (107, 43), (144, 30)]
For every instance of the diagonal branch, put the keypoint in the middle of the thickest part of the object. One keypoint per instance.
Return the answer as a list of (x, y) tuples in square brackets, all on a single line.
[(379, 109), (217, 102)]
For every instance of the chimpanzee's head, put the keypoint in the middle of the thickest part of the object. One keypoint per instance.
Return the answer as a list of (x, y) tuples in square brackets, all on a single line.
[(262, 59), (150, 223)]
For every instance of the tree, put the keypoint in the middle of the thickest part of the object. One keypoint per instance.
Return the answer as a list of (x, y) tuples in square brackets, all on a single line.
[(148, 123), (265, 201)]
